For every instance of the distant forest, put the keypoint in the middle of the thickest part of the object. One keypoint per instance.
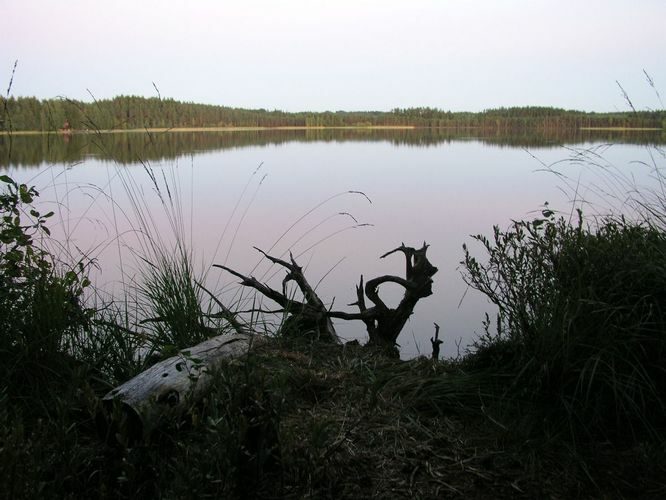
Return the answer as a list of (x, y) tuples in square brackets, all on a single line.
[(133, 112)]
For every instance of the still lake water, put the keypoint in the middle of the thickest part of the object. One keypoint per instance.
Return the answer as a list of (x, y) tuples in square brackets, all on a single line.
[(295, 191)]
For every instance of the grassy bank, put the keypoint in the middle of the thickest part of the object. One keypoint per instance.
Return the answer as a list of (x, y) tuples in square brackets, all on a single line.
[(302, 420), (564, 396)]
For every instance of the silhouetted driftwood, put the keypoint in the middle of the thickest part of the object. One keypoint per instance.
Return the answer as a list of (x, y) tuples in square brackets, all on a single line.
[(309, 316), (383, 323), (436, 343), (171, 386)]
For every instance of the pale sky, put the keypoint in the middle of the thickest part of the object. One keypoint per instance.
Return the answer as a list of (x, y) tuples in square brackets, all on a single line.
[(460, 55)]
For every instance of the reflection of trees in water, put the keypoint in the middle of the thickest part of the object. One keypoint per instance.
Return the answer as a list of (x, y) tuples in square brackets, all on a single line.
[(124, 148)]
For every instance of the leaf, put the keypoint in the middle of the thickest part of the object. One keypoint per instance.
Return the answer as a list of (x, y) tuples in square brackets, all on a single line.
[(6, 179), (14, 256)]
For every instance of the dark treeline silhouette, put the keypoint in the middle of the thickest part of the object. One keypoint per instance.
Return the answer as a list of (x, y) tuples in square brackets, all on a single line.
[(125, 148), (132, 112)]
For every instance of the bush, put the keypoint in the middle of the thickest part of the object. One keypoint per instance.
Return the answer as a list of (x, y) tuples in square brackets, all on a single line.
[(581, 327), (41, 302)]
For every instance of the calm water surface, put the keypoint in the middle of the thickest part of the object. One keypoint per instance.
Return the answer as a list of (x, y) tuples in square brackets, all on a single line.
[(290, 191)]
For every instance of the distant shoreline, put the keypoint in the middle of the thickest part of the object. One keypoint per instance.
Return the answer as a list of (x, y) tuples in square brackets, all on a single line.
[(158, 130), (206, 129), (621, 129)]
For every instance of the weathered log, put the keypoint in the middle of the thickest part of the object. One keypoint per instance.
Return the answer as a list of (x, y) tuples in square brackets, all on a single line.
[(171, 386)]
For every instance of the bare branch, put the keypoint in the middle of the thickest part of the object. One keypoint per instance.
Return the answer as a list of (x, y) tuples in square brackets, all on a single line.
[(312, 314), (276, 296), (224, 313), (436, 343), (383, 323)]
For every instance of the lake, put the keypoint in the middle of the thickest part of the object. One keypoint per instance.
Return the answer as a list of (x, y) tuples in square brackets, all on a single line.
[(337, 199)]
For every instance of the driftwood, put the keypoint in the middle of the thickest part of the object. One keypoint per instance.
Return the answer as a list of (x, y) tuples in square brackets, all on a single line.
[(309, 316), (169, 387), (383, 323), (436, 343)]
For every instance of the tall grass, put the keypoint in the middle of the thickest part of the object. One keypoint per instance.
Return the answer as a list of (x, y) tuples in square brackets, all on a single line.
[(174, 301)]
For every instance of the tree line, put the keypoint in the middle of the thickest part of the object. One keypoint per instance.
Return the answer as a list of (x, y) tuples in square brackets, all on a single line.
[(134, 112)]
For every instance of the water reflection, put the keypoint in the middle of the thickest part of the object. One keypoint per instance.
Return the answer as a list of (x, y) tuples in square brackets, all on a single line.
[(126, 148), (225, 204)]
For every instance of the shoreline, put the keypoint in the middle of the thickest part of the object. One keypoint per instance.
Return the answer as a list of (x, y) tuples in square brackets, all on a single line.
[(623, 129), (159, 130)]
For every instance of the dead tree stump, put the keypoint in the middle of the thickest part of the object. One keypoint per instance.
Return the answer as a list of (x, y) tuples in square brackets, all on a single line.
[(383, 323)]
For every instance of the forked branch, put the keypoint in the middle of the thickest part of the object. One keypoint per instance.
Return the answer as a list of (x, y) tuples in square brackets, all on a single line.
[(383, 323), (308, 316)]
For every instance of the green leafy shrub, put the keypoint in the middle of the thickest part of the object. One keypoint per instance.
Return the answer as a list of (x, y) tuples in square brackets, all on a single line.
[(41, 301), (581, 328)]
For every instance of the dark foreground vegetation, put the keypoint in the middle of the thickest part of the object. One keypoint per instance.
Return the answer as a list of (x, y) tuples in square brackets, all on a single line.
[(133, 112), (565, 395)]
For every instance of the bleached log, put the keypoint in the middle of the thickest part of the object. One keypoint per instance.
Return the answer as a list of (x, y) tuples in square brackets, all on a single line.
[(169, 388)]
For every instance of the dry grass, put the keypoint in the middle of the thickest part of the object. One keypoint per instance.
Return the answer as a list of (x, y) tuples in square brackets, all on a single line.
[(354, 425)]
